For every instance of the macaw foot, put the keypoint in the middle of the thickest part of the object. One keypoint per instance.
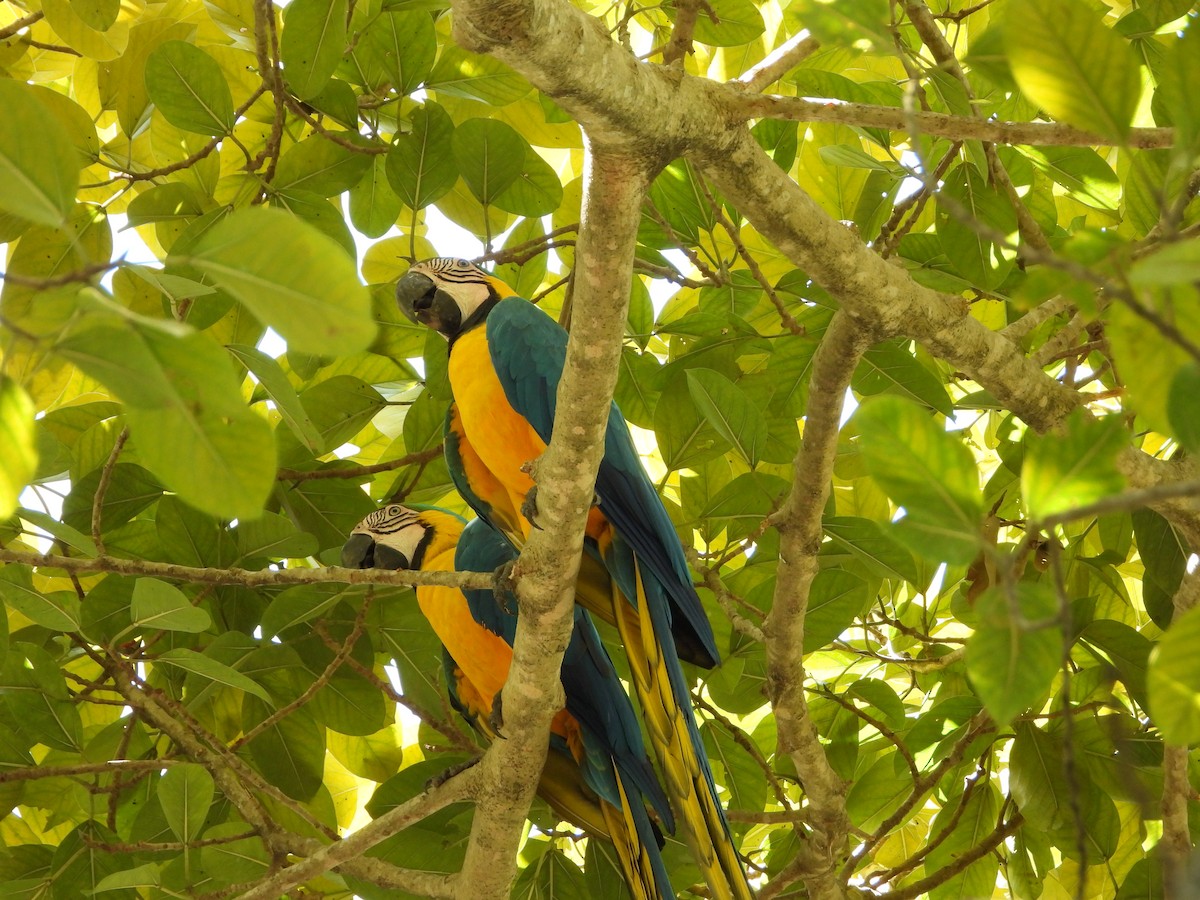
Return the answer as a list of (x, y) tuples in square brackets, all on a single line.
[(445, 775), (529, 508), (505, 589), (496, 716)]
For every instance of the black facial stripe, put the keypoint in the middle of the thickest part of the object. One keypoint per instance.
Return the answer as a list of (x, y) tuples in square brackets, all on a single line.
[(419, 553)]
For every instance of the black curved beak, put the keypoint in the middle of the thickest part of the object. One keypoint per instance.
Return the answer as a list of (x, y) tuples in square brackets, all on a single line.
[(362, 552), (422, 301), (359, 552), (414, 294)]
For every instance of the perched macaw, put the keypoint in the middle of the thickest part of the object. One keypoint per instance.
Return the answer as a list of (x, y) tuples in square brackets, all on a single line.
[(506, 359), (597, 775)]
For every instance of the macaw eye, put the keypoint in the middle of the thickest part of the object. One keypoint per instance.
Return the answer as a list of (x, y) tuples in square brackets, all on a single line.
[(393, 510), (465, 263)]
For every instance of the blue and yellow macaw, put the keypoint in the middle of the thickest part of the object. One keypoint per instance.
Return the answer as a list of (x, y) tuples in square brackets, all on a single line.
[(506, 359), (597, 775)]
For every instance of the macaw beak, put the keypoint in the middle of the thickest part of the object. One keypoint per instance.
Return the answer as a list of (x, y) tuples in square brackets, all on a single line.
[(422, 301), (362, 552), (359, 552)]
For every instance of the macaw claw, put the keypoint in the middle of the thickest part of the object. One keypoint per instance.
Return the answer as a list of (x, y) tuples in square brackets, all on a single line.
[(529, 508), (449, 772), (505, 589), (496, 716)]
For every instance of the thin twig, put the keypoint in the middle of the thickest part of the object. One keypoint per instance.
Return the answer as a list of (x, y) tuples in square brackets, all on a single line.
[(946, 125), (246, 577), (421, 456), (778, 63), (13, 27), (102, 488)]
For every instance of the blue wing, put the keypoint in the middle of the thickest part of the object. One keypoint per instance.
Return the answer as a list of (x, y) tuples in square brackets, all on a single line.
[(612, 735), (528, 352)]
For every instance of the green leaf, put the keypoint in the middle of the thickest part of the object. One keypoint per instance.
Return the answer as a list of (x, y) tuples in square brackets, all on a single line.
[(191, 661), (38, 166), (312, 43), (966, 199), (1073, 468), (1036, 776), (1173, 681), (489, 154), (185, 413), (1070, 63), (72, 537), (374, 206), (1176, 263), (275, 537), (685, 438), (420, 165), (1182, 408), (403, 46), (472, 76), (233, 862), (1012, 660), (853, 157), (292, 277), (290, 753), (349, 704), (550, 877), (189, 89), (727, 23), (835, 600), (145, 876), (34, 694), (300, 604), (18, 449), (729, 411), (319, 166), (287, 402), (889, 368), (186, 792), (1179, 85), (1127, 649), (926, 470), (97, 14), (873, 546), (1164, 559), (1082, 171), (535, 192), (56, 610), (163, 606)]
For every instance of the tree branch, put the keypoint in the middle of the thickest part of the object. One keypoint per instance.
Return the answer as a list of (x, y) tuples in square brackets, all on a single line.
[(566, 475), (799, 524), (13, 27), (350, 848), (246, 577), (1176, 840), (944, 125), (778, 63)]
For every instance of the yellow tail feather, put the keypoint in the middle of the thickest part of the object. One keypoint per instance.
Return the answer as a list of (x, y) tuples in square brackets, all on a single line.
[(696, 809)]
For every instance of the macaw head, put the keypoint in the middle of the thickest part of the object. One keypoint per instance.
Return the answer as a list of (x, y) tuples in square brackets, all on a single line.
[(400, 537), (449, 295)]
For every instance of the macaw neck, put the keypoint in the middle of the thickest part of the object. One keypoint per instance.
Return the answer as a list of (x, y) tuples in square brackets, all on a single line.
[(474, 320), (438, 559)]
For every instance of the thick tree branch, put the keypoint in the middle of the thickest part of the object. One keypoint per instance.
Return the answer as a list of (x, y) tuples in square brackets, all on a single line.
[(395, 820), (799, 524), (778, 63), (566, 475), (944, 125), (246, 577), (1176, 840)]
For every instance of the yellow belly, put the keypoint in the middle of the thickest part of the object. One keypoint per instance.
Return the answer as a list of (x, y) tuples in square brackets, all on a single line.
[(503, 440)]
